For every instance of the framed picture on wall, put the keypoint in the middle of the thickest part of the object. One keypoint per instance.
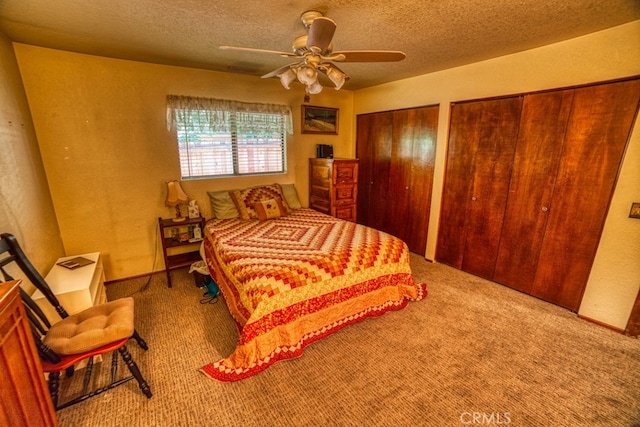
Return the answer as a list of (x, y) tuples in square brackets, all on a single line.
[(320, 120)]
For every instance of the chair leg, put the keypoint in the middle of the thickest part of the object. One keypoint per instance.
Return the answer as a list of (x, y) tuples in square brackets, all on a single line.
[(128, 360), (139, 340), (54, 385)]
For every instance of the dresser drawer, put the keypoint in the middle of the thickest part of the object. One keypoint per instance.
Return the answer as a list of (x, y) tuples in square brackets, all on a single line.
[(347, 212), (345, 195), (345, 173)]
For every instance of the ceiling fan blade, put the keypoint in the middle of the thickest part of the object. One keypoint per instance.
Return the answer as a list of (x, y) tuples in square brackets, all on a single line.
[(279, 71), (370, 55), (320, 34), (250, 49)]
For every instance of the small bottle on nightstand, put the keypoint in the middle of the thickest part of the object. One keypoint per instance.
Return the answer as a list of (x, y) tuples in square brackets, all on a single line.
[(197, 232)]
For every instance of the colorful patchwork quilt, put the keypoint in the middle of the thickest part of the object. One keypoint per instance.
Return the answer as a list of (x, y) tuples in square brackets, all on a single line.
[(293, 280)]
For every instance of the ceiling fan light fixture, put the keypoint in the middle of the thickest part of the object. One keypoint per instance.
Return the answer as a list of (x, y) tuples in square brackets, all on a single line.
[(314, 88), (314, 50), (337, 77), (307, 75), (287, 78)]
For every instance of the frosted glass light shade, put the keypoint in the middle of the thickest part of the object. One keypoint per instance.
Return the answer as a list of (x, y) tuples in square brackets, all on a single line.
[(336, 76), (287, 78), (307, 75), (314, 88)]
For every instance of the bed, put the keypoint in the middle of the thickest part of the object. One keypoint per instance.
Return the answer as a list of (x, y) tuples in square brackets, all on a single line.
[(291, 276)]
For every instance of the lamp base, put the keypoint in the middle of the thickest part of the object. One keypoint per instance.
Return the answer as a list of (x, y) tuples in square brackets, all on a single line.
[(179, 217)]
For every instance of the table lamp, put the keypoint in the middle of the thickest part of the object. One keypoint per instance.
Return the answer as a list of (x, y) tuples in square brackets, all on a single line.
[(176, 197)]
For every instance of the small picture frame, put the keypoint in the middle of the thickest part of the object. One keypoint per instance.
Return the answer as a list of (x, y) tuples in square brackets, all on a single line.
[(319, 120), (635, 211)]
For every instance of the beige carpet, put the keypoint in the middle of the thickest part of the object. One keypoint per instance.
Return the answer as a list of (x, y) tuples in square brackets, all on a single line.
[(471, 353)]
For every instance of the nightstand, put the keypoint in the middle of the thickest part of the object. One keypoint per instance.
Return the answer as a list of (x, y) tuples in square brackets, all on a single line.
[(76, 289), (179, 247)]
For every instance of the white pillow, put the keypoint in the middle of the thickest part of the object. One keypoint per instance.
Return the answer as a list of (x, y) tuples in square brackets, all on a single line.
[(222, 205), (291, 195)]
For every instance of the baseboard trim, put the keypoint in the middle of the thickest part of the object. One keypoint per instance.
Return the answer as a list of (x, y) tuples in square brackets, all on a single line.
[(133, 277), (599, 323)]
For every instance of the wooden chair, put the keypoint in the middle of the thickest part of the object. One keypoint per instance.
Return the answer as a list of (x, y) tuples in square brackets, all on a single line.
[(95, 331)]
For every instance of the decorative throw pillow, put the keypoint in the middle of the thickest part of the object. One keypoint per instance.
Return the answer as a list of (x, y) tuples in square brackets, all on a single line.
[(269, 209), (245, 199)]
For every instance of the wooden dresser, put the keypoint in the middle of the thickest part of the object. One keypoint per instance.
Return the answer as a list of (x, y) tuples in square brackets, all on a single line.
[(24, 395), (333, 187)]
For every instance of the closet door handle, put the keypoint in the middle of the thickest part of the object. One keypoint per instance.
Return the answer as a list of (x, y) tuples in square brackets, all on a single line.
[(545, 209), (474, 198)]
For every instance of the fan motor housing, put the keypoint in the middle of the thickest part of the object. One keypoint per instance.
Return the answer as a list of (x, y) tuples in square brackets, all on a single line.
[(299, 46), (308, 17)]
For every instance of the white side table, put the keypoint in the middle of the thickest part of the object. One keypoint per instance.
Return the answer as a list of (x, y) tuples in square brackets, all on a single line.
[(75, 289)]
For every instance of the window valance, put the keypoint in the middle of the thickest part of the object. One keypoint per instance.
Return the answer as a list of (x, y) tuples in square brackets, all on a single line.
[(215, 114)]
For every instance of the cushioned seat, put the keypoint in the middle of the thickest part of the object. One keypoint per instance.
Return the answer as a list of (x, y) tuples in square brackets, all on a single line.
[(95, 331), (92, 328)]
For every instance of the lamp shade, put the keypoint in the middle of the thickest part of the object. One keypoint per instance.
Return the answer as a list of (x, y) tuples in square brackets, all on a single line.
[(175, 194)]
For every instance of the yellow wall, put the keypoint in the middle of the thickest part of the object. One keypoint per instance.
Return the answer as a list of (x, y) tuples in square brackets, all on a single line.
[(101, 126), (26, 209), (101, 129), (609, 54)]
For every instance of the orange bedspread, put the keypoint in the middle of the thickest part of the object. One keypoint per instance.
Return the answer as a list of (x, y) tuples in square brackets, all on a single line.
[(293, 280)]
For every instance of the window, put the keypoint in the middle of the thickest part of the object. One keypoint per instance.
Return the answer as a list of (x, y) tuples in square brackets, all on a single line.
[(221, 138)]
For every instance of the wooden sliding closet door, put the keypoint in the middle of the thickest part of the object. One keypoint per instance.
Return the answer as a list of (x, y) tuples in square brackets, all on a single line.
[(539, 147), (411, 175), (596, 137), (481, 148), (396, 151), (373, 149), (527, 189)]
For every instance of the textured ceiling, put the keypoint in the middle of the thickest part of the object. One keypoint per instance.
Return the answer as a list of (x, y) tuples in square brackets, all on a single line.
[(435, 34)]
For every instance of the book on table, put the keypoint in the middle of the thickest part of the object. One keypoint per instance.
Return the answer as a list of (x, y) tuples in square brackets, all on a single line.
[(76, 262)]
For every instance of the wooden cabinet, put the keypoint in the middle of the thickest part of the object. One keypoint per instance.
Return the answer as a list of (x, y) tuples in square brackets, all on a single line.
[(180, 247), (396, 150), (333, 187), (24, 395), (527, 192)]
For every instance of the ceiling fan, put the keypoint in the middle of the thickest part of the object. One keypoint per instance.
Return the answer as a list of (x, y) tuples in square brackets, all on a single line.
[(314, 52)]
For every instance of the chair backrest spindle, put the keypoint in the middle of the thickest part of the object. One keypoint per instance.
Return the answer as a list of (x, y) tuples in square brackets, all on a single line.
[(11, 252), (9, 245)]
